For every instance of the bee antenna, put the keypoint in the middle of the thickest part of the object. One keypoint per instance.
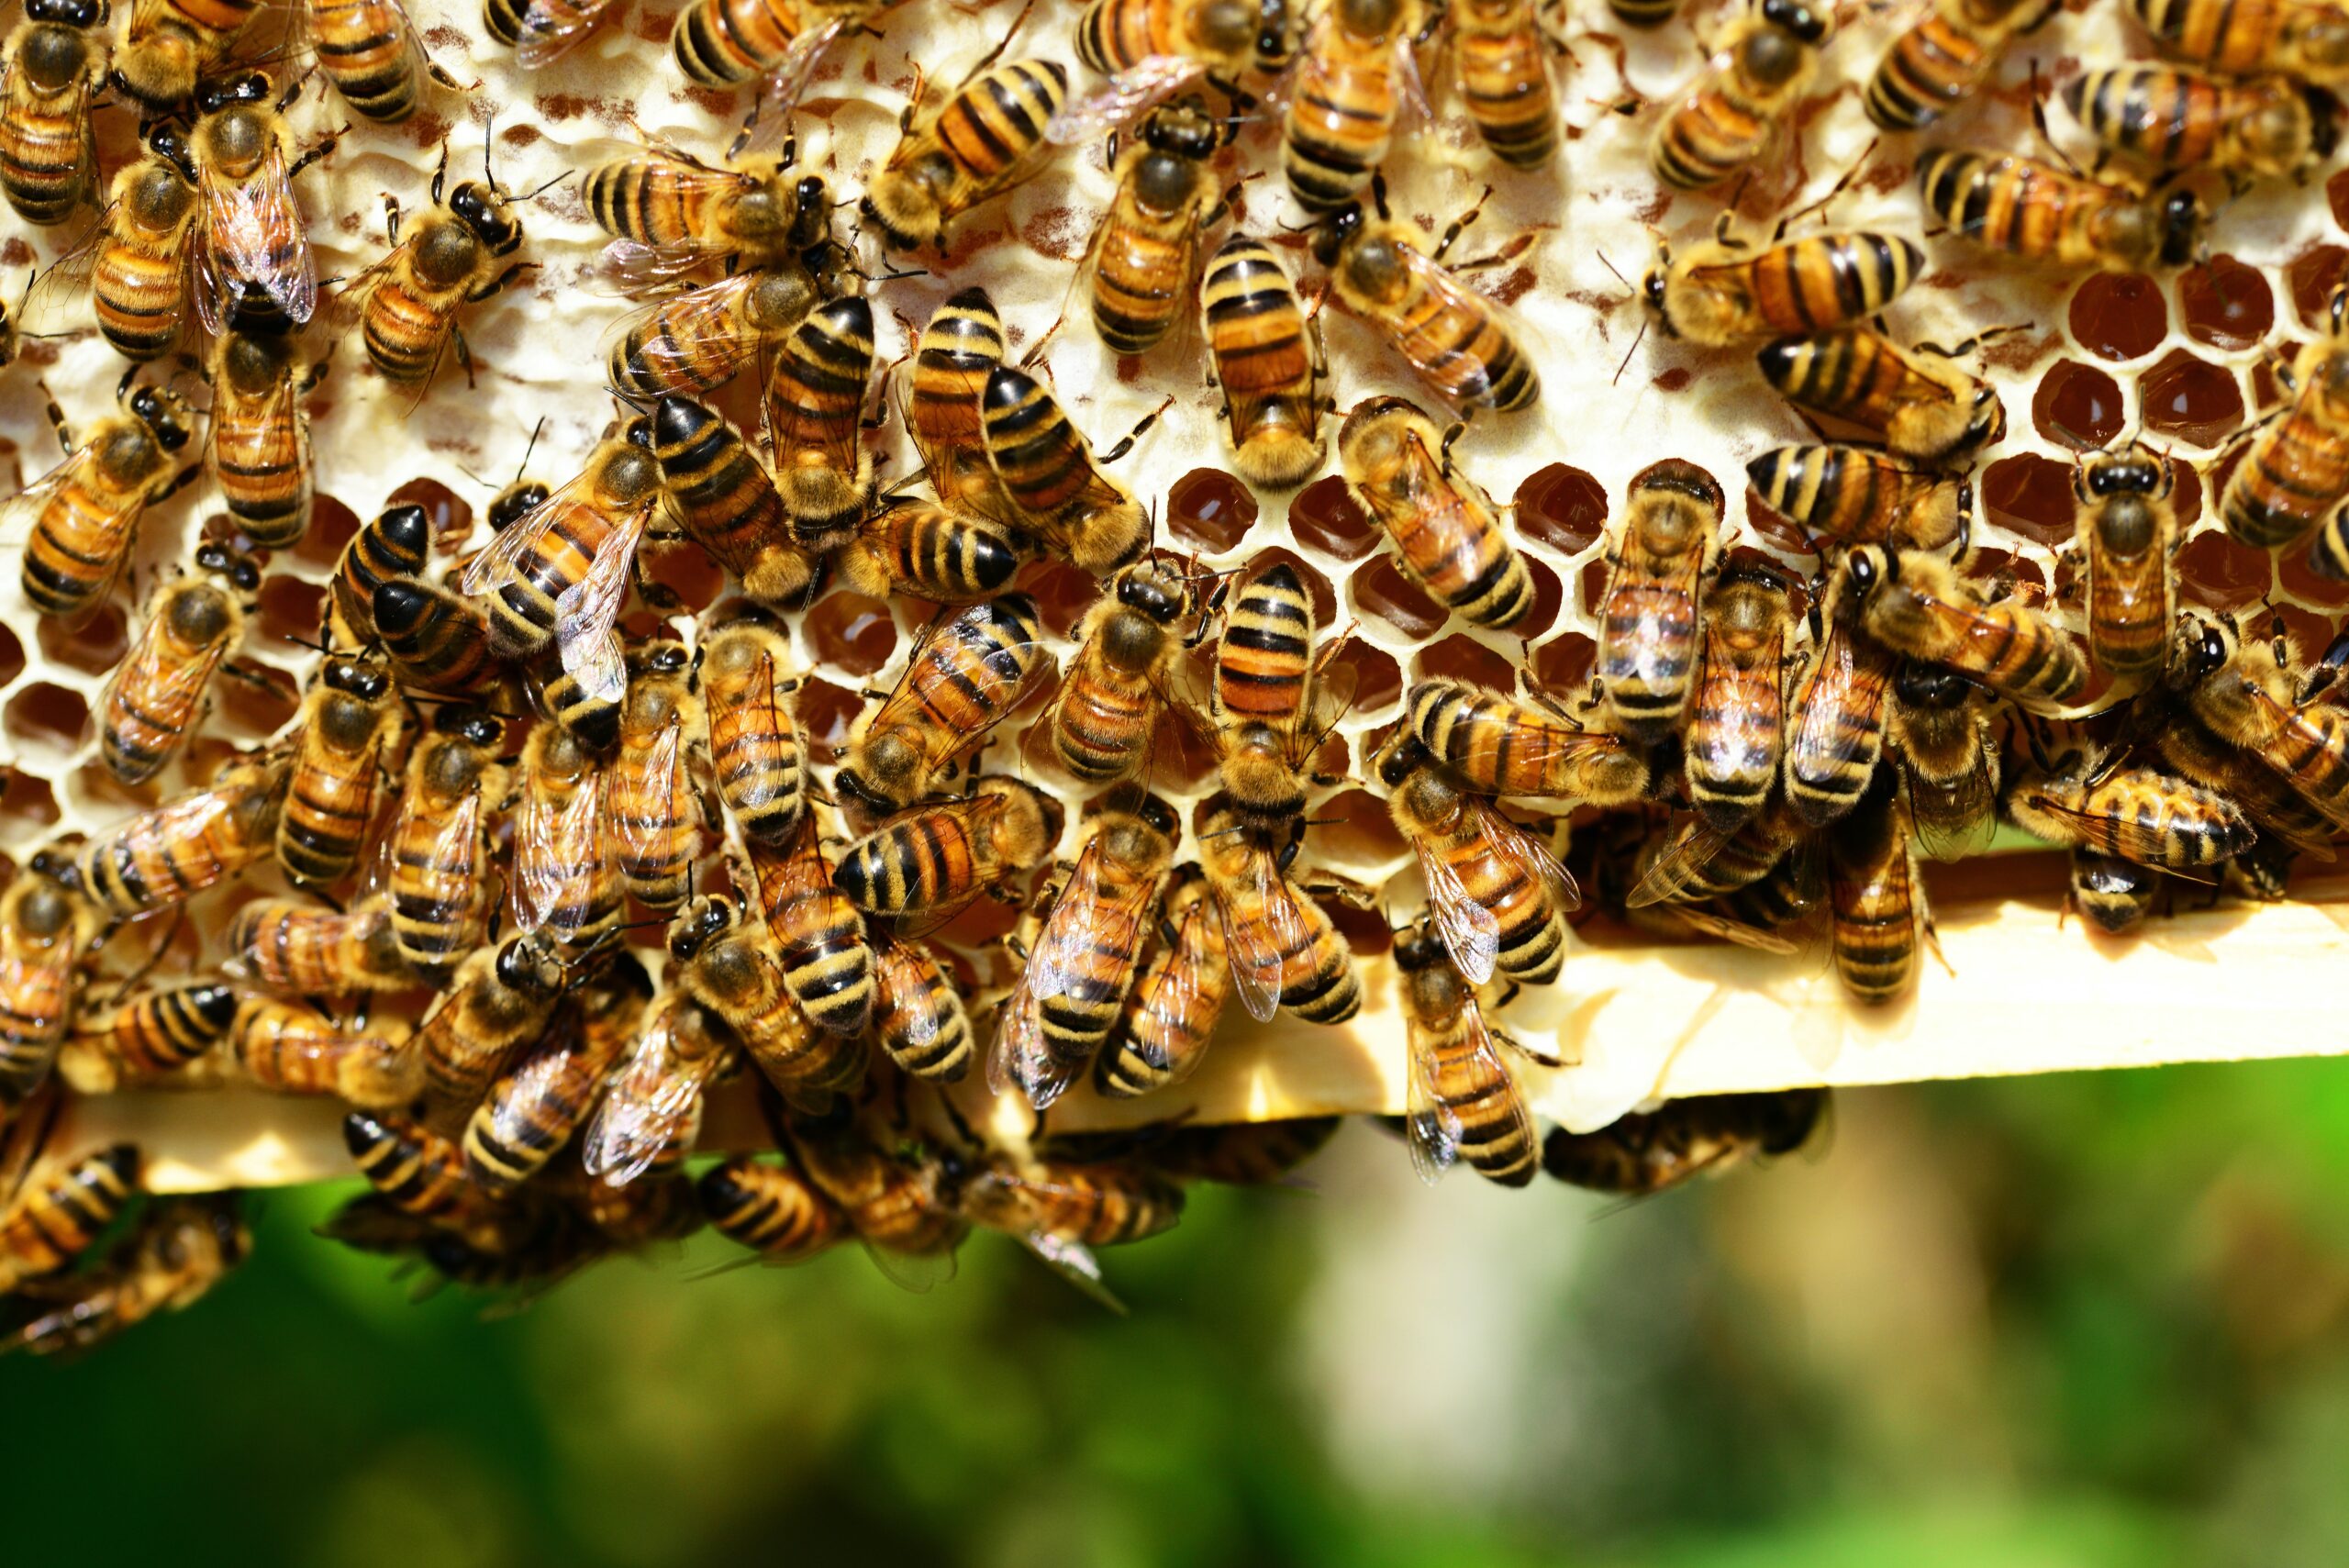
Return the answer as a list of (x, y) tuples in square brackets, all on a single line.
[(1611, 267), (544, 188), (532, 445), (1634, 349)]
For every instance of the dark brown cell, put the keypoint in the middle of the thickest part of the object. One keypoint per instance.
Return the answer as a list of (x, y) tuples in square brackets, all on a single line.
[(2225, 303), (12, 656), (688, 573), (2186, 497), (2311, 632), (1062, 593), (2336, 195), (1352, 825), (851, 632), (26, 798), (1210, 510), (1364, 930), (1562, 507), (2118, 315), (290, 609), (2001, 574), (1325, 519), (1382, 590), (2315, 272), (258, 706), (2076, 406), (1594, 572), (1562, 666), (2030, 495), (1378, 682), (452, 518), (2190, 400), (1549, 597), (825, 714), (331, 526), (1461, 658), (2222, 573), (47, 714), (94, 645), (2299, 583)]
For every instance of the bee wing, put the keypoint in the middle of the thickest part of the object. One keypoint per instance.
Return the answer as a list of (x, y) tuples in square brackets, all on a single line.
[(1446, 291), (1410, 91), (631, 266), (169, 688), (706, 318), (1667, 874), (921, 1021), (547, 840), (1256, 954), (498, 564), (1533, 856), (1074, 1261), (1469, 931), (1430, 1129), (2295, 735), (585, 613), (1332, 698), (1845, 678), (55, 301), (550, 32), (246, 224), (1961, 816), (790, 75), (1123, 99), (649, 1103), (20, 511), (1706, 923), (658, 765), (920, 1273)]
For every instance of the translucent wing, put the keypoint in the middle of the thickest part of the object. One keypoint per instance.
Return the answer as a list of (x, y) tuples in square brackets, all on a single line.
[(58, 300), (1331, 698), (631, 266), (781, 91), (550, 842), (1074, 1261), (169, 690), (1430, 1128), (656, 766), (1469, 931), (500, 564), (24, 508), (586, 611), (550, 32), (1446, 291), (920, 1273), (653, 1097), (1123, 99), (1533, 856), (921, 1015), (254, 234), (691, 342), (1706, 923), (1845, 694), (1254, 954), (1956, 820), (1668, 875), (2298, 736)]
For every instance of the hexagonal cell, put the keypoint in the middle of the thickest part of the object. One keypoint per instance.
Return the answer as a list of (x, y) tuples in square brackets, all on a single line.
[(1381, 589), (2186, 499), (2220, 571), (2032, 495), (686, 572), (2225, 303), (2190, 400), (26, 800), (93, 644), (12, 654), (290, 609), (2293, 574), (1325, 519), (1549, 598), (1364, 930), (1562, 664), (451, 516), (2314, 273), (1210, 510), (1062, 593), (257, 707), (1562, 507), (827, 713), (1180, 757), (2076, 406), (2310, 633), (46, 714), (851, 632), (1463, 658), (1352, 828), (2118, 315), (331, 526), (2000, 574), (1377, 680)]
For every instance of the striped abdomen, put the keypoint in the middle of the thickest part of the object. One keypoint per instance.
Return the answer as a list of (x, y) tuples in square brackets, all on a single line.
[(328, 807), (35, 1004), (1532, 931), (918, 1019), (1464, 1077), (1711, 136), (1257, 331), (167, 856), (165, 1030), (721, 43), (1457, 339), (563, 852), (1647, 653), (45, 154), (1341, 120), (438, 881), (1838, 731), (1813, 285), (973, 669), (2234, 38), (1141, 274), (819, 935), (1930, 69), (1045, 464), (138, 291), (558, 555), (55, 1219), (158, 690), (536, 1106), (417, 1172), (1504, 74), (1735, 729), (2310, 749), (366, 50), (922, 860), (1456, 549), (80, 538), (1874, 902), (2171, 119), (753, 750), (773, 1210), (1103, 717), (1857, 376), (2295, 472), (408, 324), (2019, 206), (1850, 494), (292, 1049), (1264, 657), (1171, 1014), (1114, 36), (436, 640), (395, 543), (990, 128), (725, 499), (261, 459)]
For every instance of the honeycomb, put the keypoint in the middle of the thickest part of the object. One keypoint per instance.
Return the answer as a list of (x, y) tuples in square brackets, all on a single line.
[(2185, 357)]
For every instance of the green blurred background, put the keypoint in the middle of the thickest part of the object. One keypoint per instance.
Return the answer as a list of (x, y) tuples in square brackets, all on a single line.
[(2079, 1320)]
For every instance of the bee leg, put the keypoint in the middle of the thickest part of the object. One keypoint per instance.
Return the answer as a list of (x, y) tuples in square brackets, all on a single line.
[(440, 73), (392, 219), (325, 146), (317, 373), (57, 420), (913, 100), (1126, 443), (465, 355), (1459, 225), (995, 53)]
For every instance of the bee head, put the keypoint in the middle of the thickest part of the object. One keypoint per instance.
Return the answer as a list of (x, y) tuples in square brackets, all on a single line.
[(2134, 472), (1931, 687), (664, 656), (163, 412), (165, 141), (1330, 236), (1652, 293), (473, 725), (516, 502), (226, 91), (484, 211), (1417, 948), (698, 924), (1145, 588), (234, 564), (1867, 565), (368, 683), (1272, 33), (71, 12), (1400, 758), (2199, 649), (1158, 814), (2182, 219), (528, 964), (811, 217), (1798, 18)]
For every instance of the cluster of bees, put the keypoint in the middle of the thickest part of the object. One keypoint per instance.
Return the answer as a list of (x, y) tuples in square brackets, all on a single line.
[(486, 773)]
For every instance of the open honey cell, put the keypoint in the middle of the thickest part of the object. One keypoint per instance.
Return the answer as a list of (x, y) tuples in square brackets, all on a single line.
[(1325, 519), (2315, 274), (689, 573), (449, 513), (2225, 303), (2078, 406), (291, 608), (2336, 196), (1381, 589), (1562, 506), (1377, 680), (27, 801), (93, 644), (331, 526), (1541, 613), (2032, 495), (2299, 581), (1210, 511), (1461, 658), (2190, 400), (12, 656), (2118, 315), (851, 632), (1352, 828), (825, 714), (1062, 592), (2219, 571), (45, 715), (1562, 666)]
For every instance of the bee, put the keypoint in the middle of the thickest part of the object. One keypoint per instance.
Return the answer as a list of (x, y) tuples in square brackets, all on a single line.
[(1650, 615), (2128, 537), (1053, 482), (653, 1100), (350, 720), (1839, 715), (1697, 861), (687, 343), (1651, 1151), (815, 411), (53, 63), (742, 972), (726, 501), (1446, 535), (958, 349), (819, 945), (2243, 692), (2303, 38), (2135, 813), (652, 811), (498, 998), (1750, 87), (177, 1250), (1505, 82), (369, 50), (723, 43), (540, 32), (772, 1209), (1152, 49), (932, 859), (1352, 76), (157, 693), (1171, 1013), (164, 857), (1502, 746), (2261, 874), (2270, 127), (669, 211), (85, 512), (984, 139), (291, 1048), (892, 1203), (1464, 1102), (1103, 717), (254, 243), (2040, 213), (964, 675), (394, 545), (1082, 958), (259, 437), (911, 547), (46, 925), (435, 640), (753, 746), (1947, 53), (2111, 893), (1737, 723), (138, 257), (1281, 946), (1460, 342), (299, 948), (1062, 1210), (437, 882), (2297, 470), (1275, 699), (1268, 361), (1915, 604), (171, 44), (59, 1215), (565, 878), (2184, 744), (1938, 723), (1499, 898), (422, 1175), (919, 1020), (543, 1097), (1238, 1153), (1918, 403), (1875, 899), (455, 256), (161, 1033), (1855, 496), (1146, 252), (1725, 289)]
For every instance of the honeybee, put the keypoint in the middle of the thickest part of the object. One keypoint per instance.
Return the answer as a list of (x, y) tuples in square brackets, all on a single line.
[(769, 993), (2040, 213), (565, 879), (1750, 87), (301, 949), (1352, 76), (1505, 82), (408, 302), (919, 1020), (932, 859), (46, 925), (2128, 537), (723, 43), (819, 945), (724, 498), (772, 1209), (350, 721), (814, 413), (2135, 813), (136, 260), (1838, 730), (1152, 49), (1939, 725), (254, 242), (257, 440), (1737, 722), (1464, 1102), (1061, 1211), (1497, 895), (168, 855), (652, 811), (958, 349), (369, 50), (892, 1202), (984, 139), (60, 1215), (177, 1250), (435, 640), (1054, 485), (1275, 698), (1283, 950), (653, 1100), (690, 342), (1915, 604), (2268, 128), (85, 512), (159, 1033), (1725, 289), (2261, 874), (1268, 361), (2283, 818), (1081, 958), (439, 845), (1875, 899), (753, 747), (1447, 536), (1697, 861), (1918, 403), (394, 545), (538, 1102), (1253, 1153), (907, 546), (964, 675), (2112, 893), (1502, 746), (291, 1048), (171, 44), (157, 693), (2305, 38), (1649, 616), (2297, 470), (1944, 55), (52, 63), (422, 1175), (670, 212), (540, 32), (1171, 1013), (1103, 717), (1855, 496), (499, 997), (1146, 252), (2244, 692), (1460, 342), (1651, 1151)]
